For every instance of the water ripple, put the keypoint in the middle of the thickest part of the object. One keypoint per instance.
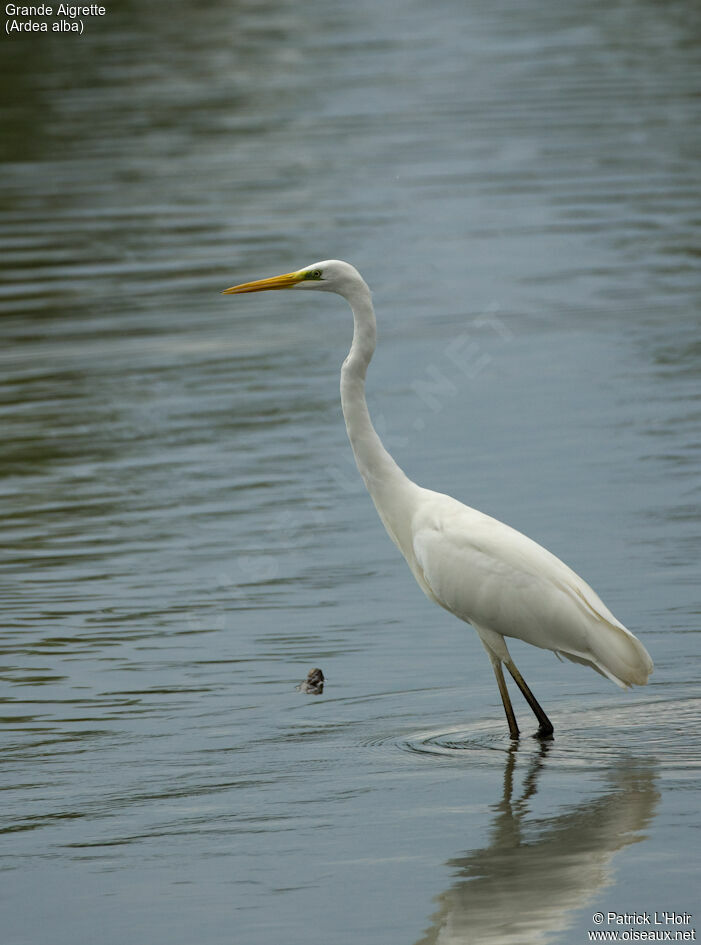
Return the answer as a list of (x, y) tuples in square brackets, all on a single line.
[(665, 730)]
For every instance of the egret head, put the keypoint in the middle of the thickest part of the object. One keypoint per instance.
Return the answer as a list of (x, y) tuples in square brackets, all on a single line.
[(331, 275)]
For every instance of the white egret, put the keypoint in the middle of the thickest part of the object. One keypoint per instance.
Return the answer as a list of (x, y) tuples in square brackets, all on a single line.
[(479, 569)]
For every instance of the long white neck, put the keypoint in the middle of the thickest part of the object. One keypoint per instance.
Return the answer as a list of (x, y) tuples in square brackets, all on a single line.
[(385, 481)]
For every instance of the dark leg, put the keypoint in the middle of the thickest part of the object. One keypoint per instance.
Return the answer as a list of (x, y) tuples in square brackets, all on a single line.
[(504, 692), (545, 729)]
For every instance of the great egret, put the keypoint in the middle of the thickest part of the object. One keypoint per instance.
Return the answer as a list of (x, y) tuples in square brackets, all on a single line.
[(479, 569)]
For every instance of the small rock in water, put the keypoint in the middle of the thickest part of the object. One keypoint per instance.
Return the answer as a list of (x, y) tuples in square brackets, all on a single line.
[(313, 684)]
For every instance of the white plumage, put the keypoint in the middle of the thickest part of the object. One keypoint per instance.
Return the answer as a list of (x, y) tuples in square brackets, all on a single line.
[(499, 580), (479, 569)]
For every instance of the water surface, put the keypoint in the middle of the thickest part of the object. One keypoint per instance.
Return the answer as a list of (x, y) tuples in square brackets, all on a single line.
[(184, 532)]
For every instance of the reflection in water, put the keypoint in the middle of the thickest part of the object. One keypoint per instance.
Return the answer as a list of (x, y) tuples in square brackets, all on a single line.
[(183, 531), (523, 886)]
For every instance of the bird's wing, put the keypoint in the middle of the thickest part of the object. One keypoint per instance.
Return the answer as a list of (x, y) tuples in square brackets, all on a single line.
[(494, 576), (451, 540)]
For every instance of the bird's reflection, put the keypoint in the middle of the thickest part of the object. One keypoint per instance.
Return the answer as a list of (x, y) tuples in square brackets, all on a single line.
[(522, 887)]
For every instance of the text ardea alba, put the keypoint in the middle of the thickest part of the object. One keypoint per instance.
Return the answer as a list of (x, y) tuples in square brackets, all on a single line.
[(479, 569)]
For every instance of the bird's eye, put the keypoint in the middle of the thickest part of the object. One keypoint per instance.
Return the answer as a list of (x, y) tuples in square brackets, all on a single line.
[(313, 274)]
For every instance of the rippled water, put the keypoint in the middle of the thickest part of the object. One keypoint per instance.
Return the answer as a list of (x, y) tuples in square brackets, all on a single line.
[(184, 532)]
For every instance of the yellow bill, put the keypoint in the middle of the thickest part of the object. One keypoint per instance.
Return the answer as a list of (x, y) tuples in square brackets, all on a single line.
[(285, 281)]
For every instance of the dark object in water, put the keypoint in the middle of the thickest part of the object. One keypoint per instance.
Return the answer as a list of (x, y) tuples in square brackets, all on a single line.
[(313, 684)]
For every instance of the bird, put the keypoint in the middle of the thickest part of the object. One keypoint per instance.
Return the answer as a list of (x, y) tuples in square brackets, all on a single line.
[(313, 685), (493, 577)]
